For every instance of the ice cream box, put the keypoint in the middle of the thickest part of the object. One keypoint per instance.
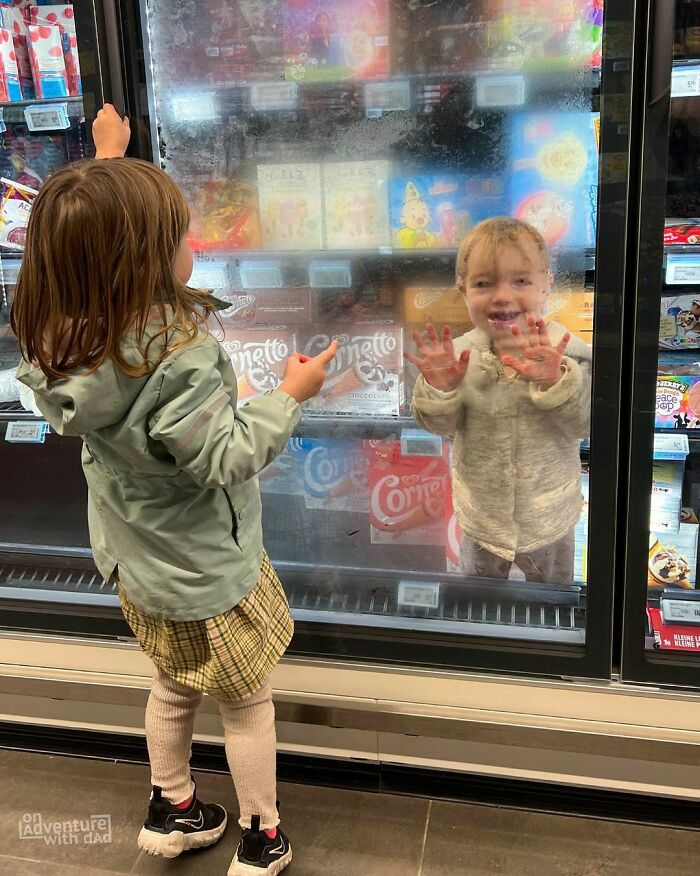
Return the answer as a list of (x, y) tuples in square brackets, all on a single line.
[(335, 475), (258, 358), (285, 474), (366, 376), (290, 206), (673, 558), (573, 310), (47, 61), (356, 204), (268, 307), (441, 305), (677, 402), (680, 322), (666, 493)]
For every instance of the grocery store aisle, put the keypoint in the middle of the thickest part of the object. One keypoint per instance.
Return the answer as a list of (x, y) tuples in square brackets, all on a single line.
[(92, 811)]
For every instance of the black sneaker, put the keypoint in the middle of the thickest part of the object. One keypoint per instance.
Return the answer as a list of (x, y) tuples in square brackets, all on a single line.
[(258, 855), (169, 831)]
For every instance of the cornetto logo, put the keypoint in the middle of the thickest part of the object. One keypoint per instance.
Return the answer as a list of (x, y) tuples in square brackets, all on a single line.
[(353, 348), (323, 470), (669, 397), (247, 355), (427, 297), (396, 499)]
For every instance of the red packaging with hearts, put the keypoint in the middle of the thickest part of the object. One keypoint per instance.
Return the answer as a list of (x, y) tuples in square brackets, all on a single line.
[(407, 498), (366, 376), (258, 358)]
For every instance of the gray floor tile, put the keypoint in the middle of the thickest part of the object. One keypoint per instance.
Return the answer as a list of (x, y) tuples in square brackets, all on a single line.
[(482, 841), (24, 867)]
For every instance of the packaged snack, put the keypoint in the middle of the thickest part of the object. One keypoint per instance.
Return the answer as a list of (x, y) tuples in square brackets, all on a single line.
[(290, 206), (47, 61), (336, 475), (12, 18), (680, 322), (674, 636), (356, 204), (284, 476), (666, 492), (677, 402), (257, 307), (555, 175), (572, 309), (673, 558), (225, 216), (327, 40), (437, 210), (15, 207), (365, 378), (681, 232), (258, 358), (9, 74), (407, 500), (441, 305)]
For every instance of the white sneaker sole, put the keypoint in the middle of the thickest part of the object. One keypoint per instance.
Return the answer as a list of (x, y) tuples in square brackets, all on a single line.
[(170, 845), (239, 869)]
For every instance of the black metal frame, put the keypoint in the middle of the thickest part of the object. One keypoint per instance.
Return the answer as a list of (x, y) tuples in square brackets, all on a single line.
[(460, 652), (638, 664)]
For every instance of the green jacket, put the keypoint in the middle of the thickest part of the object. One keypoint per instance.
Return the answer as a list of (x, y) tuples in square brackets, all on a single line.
[(171, 468)]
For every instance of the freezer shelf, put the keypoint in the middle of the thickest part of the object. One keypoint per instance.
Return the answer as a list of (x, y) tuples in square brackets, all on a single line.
[(458, 611)]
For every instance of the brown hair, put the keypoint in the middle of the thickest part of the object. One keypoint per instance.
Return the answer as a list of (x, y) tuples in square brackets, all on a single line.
[(495, 233), (101, 242)]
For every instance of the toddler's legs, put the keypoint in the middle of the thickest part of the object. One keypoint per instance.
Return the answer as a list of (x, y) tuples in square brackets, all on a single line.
[(169, 724), (552, 564), (478, 562), (251, 751)]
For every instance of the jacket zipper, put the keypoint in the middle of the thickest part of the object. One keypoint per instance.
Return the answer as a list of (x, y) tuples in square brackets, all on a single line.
[(234, 523)]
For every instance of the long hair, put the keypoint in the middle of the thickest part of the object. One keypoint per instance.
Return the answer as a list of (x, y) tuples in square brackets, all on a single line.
[(98, 265)]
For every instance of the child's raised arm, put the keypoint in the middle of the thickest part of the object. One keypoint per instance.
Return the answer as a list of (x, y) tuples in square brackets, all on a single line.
[(111, 133)]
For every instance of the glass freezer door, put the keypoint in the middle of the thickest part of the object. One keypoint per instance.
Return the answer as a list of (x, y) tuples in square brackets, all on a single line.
[(662, 615), (334, 154)]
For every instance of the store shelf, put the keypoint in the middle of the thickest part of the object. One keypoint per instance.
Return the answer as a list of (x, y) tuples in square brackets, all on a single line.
[(13, 111)]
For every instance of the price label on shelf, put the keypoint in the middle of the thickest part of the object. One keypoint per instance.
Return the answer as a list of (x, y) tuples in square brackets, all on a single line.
[(47, 117), (415, 442), (419, 594), (680, 611), (386, 97), (26, 432), (195, 107), (498, 91), (274, 96), (682, 269), (685, 82), (672, 447)]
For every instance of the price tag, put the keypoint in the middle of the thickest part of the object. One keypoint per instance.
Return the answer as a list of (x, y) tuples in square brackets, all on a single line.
[(419, 594), (685, 82), (274, 96), (415, 442), (26, 432), (195, 107), (261, 275), (496, 91), (386, 97), (682, 269), (671, 446), (209, 274), (47, 117), (680, 611), (330, 275)]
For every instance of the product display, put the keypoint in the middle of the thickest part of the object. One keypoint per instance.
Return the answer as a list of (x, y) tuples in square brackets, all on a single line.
[(262, 307), (258, 359), (15, 207), (572, 308), (47, 61), (680, 322), (554, 175), (9, 74), (678, 402), (681, 232), (225, 216), (356, 204), (436, 210), (335, 475), (13, 20), (290, 206), (673, 559)]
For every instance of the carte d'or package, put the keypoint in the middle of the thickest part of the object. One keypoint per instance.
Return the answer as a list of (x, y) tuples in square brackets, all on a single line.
[(679, 328), (366, 376), (258, 307), (673, 557), (335, 475), (407, 498), (573, 310), (258, 358)]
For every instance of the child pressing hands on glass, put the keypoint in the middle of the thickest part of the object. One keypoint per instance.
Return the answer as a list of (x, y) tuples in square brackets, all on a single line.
[(514, 394)]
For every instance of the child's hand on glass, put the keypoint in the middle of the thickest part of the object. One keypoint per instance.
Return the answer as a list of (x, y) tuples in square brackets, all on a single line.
[(539, 361), (436, 359), (110, 133), (304, 375)]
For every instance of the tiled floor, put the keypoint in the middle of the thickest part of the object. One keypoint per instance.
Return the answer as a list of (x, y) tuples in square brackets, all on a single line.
[(335, 833)]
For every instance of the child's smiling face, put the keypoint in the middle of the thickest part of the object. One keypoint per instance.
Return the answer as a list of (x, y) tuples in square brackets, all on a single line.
[(502, 289)]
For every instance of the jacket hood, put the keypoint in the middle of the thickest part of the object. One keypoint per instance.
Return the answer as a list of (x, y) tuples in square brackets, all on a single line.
[(83, 402)]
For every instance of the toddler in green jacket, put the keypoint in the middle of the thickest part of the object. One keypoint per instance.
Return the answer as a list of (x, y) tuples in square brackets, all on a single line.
[(116, 351)]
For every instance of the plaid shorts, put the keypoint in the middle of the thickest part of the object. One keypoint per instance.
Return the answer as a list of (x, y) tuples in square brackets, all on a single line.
[(228, 656)]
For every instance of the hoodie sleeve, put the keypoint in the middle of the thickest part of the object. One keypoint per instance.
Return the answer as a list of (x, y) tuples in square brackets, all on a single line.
[(570, 398), (436, 411), (196, 420)]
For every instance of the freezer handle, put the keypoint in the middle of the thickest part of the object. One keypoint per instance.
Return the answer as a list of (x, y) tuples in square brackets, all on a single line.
[(662, 27), (114, 56)]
